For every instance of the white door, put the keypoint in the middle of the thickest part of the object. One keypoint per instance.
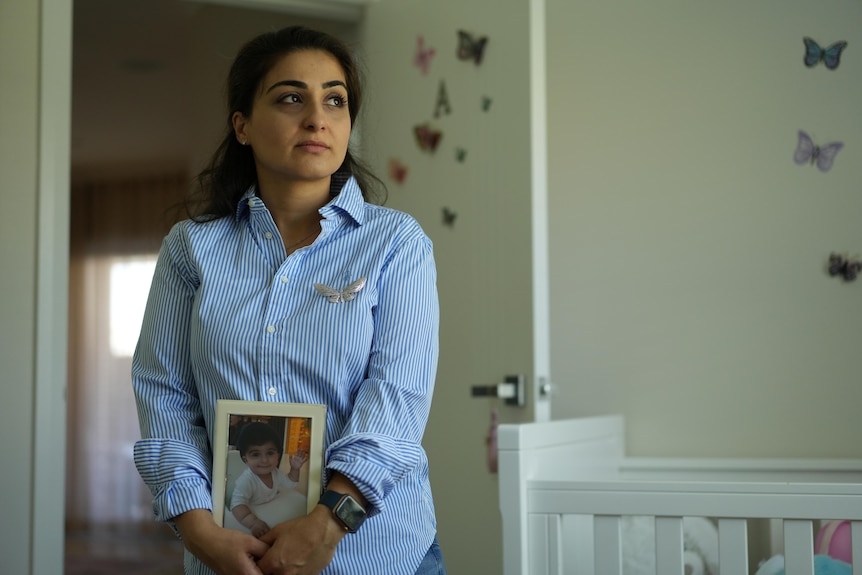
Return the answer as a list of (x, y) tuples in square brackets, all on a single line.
[(479, 196)]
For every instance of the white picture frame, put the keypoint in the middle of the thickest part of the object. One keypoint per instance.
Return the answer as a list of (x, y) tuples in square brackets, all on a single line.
[(301, 427)]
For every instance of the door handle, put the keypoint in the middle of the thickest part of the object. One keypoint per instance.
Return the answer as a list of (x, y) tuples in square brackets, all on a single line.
[(512, 390)]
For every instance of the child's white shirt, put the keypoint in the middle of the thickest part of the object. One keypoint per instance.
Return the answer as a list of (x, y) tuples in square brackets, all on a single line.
[(249, 489)]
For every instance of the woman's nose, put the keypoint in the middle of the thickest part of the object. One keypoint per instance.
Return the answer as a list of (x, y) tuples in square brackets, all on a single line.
[(315, 119)]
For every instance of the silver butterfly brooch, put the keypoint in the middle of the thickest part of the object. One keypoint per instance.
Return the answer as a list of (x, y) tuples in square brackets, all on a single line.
[(340, 296)]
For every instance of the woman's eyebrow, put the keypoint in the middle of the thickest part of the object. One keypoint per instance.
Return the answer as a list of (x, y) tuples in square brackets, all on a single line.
[(303, 85)]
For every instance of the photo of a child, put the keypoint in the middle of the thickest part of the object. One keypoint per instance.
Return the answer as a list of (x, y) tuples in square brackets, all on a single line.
[(264, 487)]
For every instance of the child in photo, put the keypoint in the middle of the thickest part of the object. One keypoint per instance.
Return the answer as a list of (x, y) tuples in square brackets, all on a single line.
[(261, 449)]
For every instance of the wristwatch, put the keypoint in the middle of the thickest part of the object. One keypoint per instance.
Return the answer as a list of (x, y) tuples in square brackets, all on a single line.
[(346, 509)]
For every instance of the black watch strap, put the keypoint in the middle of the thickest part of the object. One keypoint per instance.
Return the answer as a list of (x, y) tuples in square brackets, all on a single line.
[(345, 508)]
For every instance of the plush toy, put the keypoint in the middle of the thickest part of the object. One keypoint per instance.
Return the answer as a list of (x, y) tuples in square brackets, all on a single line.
[(700, 546), (823, 565), (833, 539)]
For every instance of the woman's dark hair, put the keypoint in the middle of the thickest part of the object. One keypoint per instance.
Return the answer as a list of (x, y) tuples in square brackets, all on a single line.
[(231, 169), (258, 433)]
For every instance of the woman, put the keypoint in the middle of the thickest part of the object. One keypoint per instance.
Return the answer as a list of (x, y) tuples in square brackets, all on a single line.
[(287, 285)]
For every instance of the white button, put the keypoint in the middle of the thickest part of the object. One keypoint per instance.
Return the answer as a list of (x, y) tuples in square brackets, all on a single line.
[(270, 329), (251, 203), (268, 235), (271, 391), (284, 279)]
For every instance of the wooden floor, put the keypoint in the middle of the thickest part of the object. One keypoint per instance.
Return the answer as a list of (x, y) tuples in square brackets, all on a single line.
[(150, 550)]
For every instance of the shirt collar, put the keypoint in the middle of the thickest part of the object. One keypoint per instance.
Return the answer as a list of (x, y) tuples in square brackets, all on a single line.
[(348, 200)]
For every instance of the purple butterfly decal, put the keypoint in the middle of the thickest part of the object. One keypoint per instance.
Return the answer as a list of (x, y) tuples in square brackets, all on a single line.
[(807, 151), (423, 55)]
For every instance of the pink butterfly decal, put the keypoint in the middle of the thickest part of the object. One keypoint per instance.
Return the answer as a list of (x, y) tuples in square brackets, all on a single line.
[(423, 56), (427, 138), (397, 170), (809, 152)]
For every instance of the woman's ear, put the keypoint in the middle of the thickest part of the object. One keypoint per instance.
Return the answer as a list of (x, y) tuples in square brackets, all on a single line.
[(239, 124)]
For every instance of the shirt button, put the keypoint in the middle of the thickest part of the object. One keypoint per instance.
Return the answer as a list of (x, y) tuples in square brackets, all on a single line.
[(271, 391), (251, 203), (268, 235), (270, 329), (284, 279)]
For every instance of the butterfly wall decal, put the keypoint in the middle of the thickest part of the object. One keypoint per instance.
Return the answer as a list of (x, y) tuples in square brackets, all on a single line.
[(340, 296), (486, 103), (807, 151), (449, 217), (460, 154), (423, 56), (830, 56), (846, 268), (426, 137), (397, 170), (471, 47)]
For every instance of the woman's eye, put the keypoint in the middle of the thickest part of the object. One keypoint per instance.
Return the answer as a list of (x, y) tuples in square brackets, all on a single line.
[(336, 100), (291, 98)]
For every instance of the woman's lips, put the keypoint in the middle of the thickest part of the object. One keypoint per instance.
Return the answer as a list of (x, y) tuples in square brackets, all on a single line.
[(314, 147)]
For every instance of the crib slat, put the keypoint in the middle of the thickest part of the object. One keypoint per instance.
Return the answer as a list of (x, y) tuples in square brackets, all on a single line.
[(555, 547), (537, 535), (578, 545), (733, 546), (798, 547), (609, 559), (856, 548), (668, 546)]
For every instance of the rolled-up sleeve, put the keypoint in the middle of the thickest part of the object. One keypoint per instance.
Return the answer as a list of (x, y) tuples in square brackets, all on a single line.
[(381, 443), (173, 456)]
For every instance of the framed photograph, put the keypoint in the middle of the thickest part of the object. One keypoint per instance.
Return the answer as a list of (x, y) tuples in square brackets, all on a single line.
[(267, 462)]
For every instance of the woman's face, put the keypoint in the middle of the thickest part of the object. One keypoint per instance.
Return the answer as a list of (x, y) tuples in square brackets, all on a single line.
[(299, 126)]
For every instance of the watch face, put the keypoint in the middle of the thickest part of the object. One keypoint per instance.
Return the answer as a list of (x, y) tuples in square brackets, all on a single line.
[(351, 513)]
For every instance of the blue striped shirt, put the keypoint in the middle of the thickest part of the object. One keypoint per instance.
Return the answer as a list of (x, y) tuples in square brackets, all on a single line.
[(230, 317)]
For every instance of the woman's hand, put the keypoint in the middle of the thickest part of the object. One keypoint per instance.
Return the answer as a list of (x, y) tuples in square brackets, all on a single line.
[(302, 546), (225, 551)]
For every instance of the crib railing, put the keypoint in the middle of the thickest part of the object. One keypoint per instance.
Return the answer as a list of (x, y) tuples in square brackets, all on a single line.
[(565, 487), (575, 527)]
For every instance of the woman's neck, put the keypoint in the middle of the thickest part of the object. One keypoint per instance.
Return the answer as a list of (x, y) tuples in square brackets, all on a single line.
[(295, 209)]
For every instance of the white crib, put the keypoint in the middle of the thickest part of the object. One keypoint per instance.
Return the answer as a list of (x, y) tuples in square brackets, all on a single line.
[(566, 485)]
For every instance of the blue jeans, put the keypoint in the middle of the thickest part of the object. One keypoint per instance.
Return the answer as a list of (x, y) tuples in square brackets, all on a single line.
[(433, 562)]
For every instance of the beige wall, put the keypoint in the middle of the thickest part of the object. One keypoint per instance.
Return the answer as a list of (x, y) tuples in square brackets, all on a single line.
[(688, 289)]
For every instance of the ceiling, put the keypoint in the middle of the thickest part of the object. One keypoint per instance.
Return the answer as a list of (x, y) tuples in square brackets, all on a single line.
[(147, 74)]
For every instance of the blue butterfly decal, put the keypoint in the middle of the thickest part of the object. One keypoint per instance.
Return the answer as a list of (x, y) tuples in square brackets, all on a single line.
[(830, 57), (807, 151)]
